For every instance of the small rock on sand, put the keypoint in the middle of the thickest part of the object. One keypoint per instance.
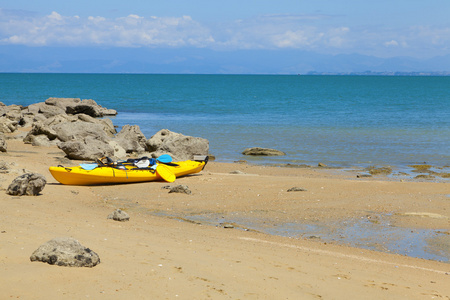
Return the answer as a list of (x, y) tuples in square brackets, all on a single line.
[(119, 215), (297, 189), (65, 251)]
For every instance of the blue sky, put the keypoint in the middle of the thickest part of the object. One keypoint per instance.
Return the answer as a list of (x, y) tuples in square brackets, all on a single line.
[(382, 28)]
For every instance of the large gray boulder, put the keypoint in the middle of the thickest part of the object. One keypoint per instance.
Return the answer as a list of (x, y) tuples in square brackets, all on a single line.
[(87, 148), (82, 136), (72, 106), (11, 117), (79, 130), (91, 108), (7, 125), (3, 145), (41, 140), (14, 113), (29, 184), (179, 146), (65, 251), (257, 151), (40, 129), (46, 110), (62, 103), (108, 126), (131, 139)]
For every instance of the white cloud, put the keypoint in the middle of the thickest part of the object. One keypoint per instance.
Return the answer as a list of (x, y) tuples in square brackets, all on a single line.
[(306, 32), (391, 43), (129, 31)]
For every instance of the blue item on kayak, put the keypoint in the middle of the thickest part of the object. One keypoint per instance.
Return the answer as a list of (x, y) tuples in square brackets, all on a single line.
[(165, 158), (89, 167)]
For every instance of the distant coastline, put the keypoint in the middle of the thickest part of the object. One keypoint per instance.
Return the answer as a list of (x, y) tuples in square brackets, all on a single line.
[(371, 73), (311, 73)]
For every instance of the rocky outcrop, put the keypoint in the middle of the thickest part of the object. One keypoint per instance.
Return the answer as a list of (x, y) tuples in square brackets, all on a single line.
[(131, 139), (90, 108), (3, 145), (257, 151), (11, 117), (29, 184), (73, 106), (119, 152), (69, 131), (65, 251), (63, 103), (87, 148), (73, 125), (47, 110), (7, 125), (107, 124), (179, 146)]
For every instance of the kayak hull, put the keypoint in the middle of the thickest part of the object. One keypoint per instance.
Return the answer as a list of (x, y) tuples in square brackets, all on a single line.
[(110, 175)]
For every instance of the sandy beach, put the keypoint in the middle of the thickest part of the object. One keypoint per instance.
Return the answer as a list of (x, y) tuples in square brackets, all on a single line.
[(200, 246)]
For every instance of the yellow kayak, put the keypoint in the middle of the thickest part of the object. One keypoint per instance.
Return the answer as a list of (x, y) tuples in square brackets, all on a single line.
[(125, 173)]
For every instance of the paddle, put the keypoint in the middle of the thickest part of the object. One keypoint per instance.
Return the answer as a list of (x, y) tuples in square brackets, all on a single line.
[(165, 158), (165, 173)]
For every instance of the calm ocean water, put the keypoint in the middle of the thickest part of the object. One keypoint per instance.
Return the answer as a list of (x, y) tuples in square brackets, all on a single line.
[(337, 120)]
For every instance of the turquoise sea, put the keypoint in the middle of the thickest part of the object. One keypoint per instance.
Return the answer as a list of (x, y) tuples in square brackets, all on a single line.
[(341, 121)]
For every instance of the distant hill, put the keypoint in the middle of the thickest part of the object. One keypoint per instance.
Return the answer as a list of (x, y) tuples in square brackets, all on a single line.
[(206, 61)]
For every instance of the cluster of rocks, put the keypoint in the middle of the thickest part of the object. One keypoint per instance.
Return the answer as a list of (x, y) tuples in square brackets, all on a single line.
[(74, 126)]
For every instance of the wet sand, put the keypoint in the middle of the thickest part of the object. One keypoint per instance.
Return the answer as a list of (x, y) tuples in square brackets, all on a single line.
[(212, 244)]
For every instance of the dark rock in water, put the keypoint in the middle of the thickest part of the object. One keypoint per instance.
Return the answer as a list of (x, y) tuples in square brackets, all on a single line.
[(179, 146), (379, 171), (262, 152), (3, 145), (424, 176), (297, 189), (180, 189), (119, 215), (363, 176), (241, 161), (30, 184), (65, 251)]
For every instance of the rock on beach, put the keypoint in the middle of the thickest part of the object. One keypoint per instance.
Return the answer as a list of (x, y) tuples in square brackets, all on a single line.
[(119, 215), (65, 251), (30, 184)]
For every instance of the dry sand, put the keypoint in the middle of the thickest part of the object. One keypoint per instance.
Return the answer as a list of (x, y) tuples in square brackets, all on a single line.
[(157, 255)]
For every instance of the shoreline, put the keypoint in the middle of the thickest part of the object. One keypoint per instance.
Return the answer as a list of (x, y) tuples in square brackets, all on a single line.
[(412, 172), (163, 257)]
